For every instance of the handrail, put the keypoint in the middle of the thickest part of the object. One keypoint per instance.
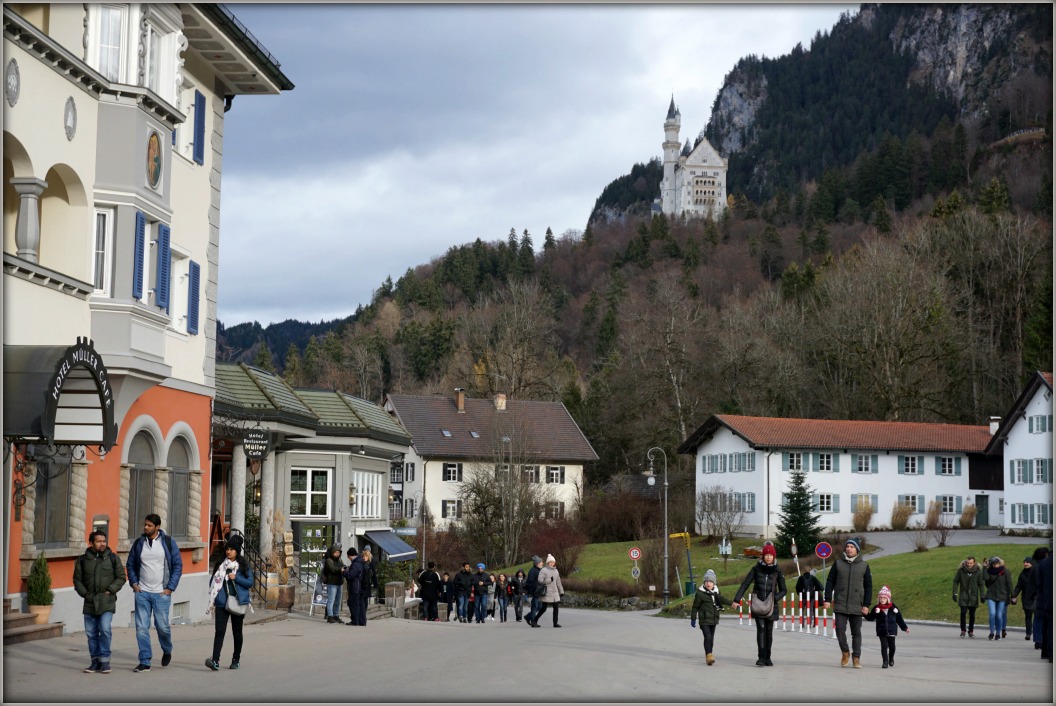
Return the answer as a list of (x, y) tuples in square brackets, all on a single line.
[(303, 577), (261, 568)]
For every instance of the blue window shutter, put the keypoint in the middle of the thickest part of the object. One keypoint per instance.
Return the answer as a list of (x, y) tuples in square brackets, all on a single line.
[(752, 500), (199, 127), (1030, 425), (814, 501), (920, 465), (901, 499), (938, 465), (814, 462), (901, 465), (873, 501), (1029, 468), (854, 503), (173, 138), (139, 241), (835, 463), (957, 504), (835, 502), (784, 501), (920, 504), (193, 286), (874, 464), (854, 463), (1049, 518), (784, 460), (1011, 471), (161, 294), (1050, 422), (957, 466), (1030, 514)]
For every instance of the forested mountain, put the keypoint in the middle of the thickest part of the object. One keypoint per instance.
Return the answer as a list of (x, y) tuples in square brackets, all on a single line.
[(912, 281)]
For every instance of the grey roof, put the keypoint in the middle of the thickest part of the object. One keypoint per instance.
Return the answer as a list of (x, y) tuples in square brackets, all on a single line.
[(546, 429)]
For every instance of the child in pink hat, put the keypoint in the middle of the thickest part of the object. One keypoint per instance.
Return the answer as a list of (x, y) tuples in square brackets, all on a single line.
[(888, 619)]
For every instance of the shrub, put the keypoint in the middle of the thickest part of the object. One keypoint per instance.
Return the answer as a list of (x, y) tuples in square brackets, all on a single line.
[(863, 515), (617, 588), (38, 584), (614, 518), (560, 538), (933, 517), (921, 537), (967, 518), (900, 514)]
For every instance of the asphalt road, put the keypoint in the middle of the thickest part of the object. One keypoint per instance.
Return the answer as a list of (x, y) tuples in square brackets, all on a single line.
[(596, 656)]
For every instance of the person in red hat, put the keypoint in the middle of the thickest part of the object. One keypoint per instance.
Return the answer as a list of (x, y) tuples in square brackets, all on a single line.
[(768, 590)]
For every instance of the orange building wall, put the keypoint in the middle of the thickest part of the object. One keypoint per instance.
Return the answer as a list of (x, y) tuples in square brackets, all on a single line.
[(167, 407)]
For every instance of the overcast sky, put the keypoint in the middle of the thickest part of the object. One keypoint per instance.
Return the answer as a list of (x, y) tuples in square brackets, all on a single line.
[(413, 128)]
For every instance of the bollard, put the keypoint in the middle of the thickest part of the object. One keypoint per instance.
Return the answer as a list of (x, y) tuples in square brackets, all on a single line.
[(749, 610), (740, 612), (815, 612), (784, 607)]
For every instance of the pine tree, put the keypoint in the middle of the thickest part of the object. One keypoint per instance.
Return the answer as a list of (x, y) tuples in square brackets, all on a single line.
[(797, 519), (263, 359)]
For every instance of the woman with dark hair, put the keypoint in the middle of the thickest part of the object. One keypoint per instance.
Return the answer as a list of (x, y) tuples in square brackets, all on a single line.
[(517, 594), (230, 573), (767, 580)]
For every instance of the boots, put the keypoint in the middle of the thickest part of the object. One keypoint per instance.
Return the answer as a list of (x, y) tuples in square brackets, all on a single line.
[(710, 659), (845, 659), (857, 663)]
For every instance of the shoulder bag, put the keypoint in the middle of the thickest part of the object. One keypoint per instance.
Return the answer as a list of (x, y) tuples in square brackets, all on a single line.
[(540, 589), (232, 605), (763, 607)]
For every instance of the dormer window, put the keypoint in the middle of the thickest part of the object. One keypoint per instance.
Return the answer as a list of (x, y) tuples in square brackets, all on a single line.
[(475, 434), (446, 433)]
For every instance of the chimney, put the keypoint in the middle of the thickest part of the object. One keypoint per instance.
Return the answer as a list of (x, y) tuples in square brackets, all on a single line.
[(460, 400), (500, 401), (995, 422)]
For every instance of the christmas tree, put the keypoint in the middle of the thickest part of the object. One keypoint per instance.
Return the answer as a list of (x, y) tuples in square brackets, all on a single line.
[(797, 519)]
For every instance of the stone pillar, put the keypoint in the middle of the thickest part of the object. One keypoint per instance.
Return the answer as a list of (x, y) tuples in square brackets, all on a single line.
[(27, 227), (267, 504), (238, 488), (194, 514)]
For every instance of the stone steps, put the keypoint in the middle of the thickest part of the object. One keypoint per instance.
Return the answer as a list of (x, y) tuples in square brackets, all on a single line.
[(17, 630)]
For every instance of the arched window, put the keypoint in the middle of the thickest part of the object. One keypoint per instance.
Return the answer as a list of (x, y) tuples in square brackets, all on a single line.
[(179, 463), (141, 457)]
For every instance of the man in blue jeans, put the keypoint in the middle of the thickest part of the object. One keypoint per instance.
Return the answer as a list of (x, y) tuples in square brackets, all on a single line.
[(154, 568), (481, 581), (461, 585), (530, 582), (97, 577)]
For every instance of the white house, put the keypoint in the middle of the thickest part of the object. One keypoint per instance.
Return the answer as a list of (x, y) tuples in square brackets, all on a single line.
[(694, 181), (846, 462), (456, 436), (1024, 442)]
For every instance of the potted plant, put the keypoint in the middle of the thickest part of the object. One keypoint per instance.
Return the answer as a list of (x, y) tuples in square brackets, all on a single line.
[(39, 595)]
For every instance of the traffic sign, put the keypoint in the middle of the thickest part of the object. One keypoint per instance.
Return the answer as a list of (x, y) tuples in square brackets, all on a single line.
[(823, 550), (635, 573), (635, 553)]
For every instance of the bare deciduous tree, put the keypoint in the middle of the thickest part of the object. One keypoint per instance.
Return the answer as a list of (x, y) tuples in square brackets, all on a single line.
[(718, 512)]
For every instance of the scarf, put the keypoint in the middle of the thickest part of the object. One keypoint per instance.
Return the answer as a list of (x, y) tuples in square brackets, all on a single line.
[(217, 582), (714, 595)]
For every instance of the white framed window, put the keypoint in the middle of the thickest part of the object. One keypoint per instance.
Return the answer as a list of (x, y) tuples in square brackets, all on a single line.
[(795, 461), (863, 499), (865, 464), (408, 472), (453, 472), (395, 472), (1041, 465), (395, 510), (369, 498), (1039, 424), (408, 507), (825, 502), (502, 471), (744, 501), (107, 40), (179, 289), (946, 465), (555, 474), (1041, 514), (1018, 513), (825, 463), (949, 503), (555, 510), (102, 251), (310, 492), (910, 467), (1000, 506), (1019, 475), (451, 509), (530, 474), (916, 502)]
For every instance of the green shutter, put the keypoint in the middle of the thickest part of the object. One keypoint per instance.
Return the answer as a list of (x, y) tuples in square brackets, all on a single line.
[(1029, 468), (1030, 514), (901, 465), (938, 465), (957, 504), (875, 464), (920, 465), (784, 460), (854, 463), (1011, 472), (835, 463), (814, 462), (854, 503), (1030, 425), (874, 501), (814, 499), (836, 502), (920, 504), (199, 128), (957, 466)]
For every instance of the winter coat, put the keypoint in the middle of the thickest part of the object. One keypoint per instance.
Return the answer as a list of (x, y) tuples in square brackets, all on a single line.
[(887, 622), (531, 580), (173, 561), (481, 584), (809, 584), (1043, 582), (765, 579), (502, 589), (243, 582), (551, 578), (354, 574), (998, 584), (968, 586), (1028, 587), (97, 577), (707, 605), (429, 583), (517, 585), (332, 568), (461, 583), (852, 584), (445, 590)]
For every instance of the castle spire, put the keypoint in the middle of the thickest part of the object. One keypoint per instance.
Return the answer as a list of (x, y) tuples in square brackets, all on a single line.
[(672, 111)]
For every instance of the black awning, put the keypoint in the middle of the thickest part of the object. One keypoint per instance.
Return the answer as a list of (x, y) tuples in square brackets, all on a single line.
[(58, 393), (393, 546)]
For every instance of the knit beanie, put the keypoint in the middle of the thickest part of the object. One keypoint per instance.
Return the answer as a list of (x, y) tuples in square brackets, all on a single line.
[(234, 542), (351, 552), (885, 592), (709, 575), (1028, 560), (536, 559), (549, 558), (855, 542), (768, 548)]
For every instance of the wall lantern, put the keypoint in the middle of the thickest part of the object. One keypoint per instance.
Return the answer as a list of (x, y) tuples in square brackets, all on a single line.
[(351, 494)]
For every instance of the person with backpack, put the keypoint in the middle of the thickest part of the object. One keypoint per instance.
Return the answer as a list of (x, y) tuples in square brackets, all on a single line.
[(97, 577), (154, 567)]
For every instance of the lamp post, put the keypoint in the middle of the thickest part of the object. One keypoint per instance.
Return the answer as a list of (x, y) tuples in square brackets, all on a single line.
[(652, 481)]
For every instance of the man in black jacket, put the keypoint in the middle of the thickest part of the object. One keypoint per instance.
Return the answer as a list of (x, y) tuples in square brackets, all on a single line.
[(355, 577), (530, 583), (461, 584), (429, 585), (1026, 586), (97, 577), (809, 590), (481, 582)]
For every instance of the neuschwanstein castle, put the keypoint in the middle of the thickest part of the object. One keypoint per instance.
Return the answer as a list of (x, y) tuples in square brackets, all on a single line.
[(694, 182)]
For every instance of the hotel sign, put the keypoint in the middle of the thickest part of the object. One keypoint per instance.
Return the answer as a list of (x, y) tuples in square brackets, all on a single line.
[(256, 443), (79, 402)]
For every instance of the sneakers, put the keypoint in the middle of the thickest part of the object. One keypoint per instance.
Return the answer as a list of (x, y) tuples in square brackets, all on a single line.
[(234, 664), (845, 659), (141, 668), (991, 636), (962, 634), (93, 667), (971, 635), (104, 667), (165, 659), (212, 664), (857, 662)]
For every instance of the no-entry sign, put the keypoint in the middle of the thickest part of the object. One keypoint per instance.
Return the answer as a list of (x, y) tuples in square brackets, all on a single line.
[(823, 550), (635, 553)]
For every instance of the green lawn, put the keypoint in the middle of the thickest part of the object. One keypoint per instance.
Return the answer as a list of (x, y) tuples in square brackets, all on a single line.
[(921, 583)]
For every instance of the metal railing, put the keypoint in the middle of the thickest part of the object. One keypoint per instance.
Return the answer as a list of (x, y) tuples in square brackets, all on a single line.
[(261, 568)]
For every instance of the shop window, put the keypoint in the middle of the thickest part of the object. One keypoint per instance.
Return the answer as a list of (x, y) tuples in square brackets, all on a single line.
[(140, 483), (52, 501)]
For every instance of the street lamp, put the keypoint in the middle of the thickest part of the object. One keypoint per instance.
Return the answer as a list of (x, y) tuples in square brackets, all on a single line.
[(652, 481)]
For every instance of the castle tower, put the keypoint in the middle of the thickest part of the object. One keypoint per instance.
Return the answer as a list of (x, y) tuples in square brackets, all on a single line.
[(672, 145)]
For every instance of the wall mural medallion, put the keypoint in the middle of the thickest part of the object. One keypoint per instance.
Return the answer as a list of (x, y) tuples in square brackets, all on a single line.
[(12, 83), (154, 160), (69, 118)]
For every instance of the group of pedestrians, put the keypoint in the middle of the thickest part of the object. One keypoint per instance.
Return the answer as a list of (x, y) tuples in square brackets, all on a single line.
[(358, 577), (476, 597), (848, 592)]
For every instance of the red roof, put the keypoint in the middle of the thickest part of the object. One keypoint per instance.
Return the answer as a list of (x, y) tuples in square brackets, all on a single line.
[(1048, 378), (771, 432)]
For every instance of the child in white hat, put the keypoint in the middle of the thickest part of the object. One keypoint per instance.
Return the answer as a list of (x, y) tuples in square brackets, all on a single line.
[(707, 603)]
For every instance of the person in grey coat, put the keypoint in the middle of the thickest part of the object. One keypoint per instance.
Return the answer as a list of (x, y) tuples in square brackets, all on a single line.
[(97, 577), (550, 577), (848, 590)]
